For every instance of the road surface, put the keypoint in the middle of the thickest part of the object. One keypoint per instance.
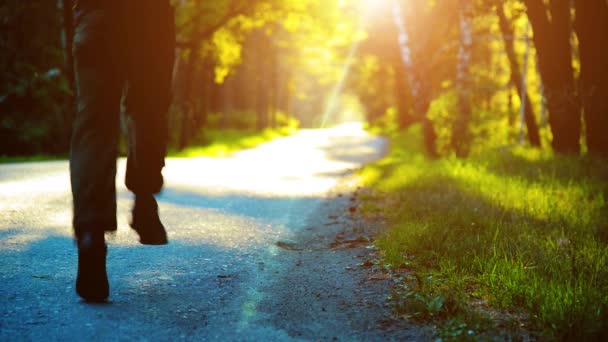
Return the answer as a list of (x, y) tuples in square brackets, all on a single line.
[(249, 258)]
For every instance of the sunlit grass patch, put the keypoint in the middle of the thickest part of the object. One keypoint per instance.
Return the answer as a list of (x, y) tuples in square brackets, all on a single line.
[(516, 228), (222, 143)]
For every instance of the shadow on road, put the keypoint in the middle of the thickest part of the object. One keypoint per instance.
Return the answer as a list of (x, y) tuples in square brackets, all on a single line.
[(222, 277), (173, 291)]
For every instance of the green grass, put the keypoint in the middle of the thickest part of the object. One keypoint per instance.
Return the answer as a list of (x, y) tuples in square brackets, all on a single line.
[(518, 229), (222, 143)]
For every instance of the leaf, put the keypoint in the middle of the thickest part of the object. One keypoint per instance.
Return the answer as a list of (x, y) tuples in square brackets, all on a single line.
[(436, 304), (289, 245)]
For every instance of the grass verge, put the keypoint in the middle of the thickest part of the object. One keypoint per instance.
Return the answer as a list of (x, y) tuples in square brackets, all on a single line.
[(222, 143), (516, 229)]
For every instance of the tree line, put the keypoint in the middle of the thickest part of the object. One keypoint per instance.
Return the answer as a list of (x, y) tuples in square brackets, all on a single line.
[(551, 51), (240, 64), (473, 73)]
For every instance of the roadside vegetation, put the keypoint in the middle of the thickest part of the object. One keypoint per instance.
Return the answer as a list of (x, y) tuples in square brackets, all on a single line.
[(515, 231), (214, 143), (246, 68), (222, 143)]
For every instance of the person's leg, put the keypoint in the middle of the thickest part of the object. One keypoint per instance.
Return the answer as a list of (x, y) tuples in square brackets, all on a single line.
[(94, 147), (151, 48)]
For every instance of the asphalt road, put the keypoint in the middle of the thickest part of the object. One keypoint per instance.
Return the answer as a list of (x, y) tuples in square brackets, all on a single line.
[(249, 258)]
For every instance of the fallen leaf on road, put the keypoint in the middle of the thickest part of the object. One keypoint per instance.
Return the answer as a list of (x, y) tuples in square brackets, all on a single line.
[(289, 245), (380, 277), (350, 243), (366, 264)]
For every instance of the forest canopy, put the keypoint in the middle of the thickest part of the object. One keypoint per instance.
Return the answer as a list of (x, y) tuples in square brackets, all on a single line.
[(476, 74)]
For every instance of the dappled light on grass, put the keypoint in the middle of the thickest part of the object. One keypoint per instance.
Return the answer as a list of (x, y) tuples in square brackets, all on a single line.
[(515, 228), (222, 143)]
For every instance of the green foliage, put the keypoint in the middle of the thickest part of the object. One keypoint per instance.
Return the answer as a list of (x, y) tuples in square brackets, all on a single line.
[(247, 63), (302, 58), (514, 227), (223, 143), (494, 121), (371, 81), (33, 90)]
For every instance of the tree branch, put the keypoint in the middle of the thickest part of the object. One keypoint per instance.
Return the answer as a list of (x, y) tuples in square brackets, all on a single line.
[(234, 11)]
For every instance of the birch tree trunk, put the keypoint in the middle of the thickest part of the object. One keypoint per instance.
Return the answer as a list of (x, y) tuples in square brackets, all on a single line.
[(461, 137), (419, 89), (405, 118), (506, 29)]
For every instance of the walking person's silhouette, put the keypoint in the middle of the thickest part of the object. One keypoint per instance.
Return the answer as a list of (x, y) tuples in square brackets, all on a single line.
[(123, 50)]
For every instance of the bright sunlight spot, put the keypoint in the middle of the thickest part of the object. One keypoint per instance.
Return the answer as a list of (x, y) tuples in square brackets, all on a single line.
[(294, 168), (375, 5)]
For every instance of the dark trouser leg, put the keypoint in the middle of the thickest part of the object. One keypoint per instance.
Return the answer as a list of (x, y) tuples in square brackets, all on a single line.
[(96, 124), (150, 52)]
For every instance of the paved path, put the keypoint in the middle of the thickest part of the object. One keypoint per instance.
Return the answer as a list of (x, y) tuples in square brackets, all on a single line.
[(248, 259)]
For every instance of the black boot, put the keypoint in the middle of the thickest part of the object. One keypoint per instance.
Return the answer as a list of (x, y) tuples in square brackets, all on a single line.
[(146, 223), (92, 281)]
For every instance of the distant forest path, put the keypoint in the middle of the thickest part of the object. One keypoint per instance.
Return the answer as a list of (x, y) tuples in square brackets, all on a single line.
[(250, 254)]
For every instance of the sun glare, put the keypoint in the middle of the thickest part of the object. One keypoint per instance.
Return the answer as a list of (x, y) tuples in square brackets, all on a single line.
[(374, 5)]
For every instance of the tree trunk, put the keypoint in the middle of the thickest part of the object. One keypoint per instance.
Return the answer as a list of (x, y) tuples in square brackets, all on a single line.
[(68, 35), (552, 40), (263, 78), (228, 104), (405, 117), (273, 84), (461, 138), (186, 113), (428, 129), (205, 98), (592, 29), (516, 76), (68, 27), (187, 108), (285, 97), (262, 105), (418, 88)]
